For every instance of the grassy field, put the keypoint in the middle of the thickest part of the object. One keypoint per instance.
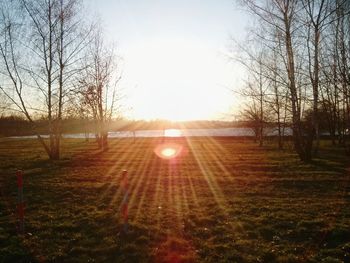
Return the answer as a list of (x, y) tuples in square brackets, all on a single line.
[(220, 200)]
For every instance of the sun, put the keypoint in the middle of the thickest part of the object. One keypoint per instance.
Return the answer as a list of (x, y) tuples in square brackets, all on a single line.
[(172, 133), (181, 78)]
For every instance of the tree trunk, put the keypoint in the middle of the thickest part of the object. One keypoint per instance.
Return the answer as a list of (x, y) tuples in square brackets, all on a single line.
[(296, 126)]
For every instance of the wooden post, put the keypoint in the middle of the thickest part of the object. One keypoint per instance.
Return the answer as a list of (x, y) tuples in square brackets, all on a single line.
[(20, 201)]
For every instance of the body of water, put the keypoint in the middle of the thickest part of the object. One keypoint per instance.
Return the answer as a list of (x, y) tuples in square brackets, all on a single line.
[(223, 132)]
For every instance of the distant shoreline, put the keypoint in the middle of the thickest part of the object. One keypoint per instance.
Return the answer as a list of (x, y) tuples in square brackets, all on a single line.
[(158, 133)]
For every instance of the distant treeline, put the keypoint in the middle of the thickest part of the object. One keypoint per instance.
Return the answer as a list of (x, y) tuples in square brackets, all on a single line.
[(18, 126)]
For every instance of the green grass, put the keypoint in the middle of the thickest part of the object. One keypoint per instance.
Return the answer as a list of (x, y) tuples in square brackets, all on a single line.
[(221, 200)]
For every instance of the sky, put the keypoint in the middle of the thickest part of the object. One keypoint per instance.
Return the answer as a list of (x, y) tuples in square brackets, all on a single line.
[(174, 56)]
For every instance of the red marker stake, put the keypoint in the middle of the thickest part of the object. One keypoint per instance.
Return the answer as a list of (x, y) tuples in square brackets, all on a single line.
[(20, 201), (124, 206)]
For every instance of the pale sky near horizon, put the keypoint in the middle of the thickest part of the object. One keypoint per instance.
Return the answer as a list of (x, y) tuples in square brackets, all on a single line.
[(174, 55)]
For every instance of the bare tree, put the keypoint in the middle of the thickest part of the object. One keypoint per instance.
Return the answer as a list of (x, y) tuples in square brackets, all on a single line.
[(13, 71), (343, 58), (255, 90), (49, 32), (296, 29), (98, 84), (251, 115), (329, 89), (334, 71), (279, 94), (318, 13), (72, 37), (282, 17)]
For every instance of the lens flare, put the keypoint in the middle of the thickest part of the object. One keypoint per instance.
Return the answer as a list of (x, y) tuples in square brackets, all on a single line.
[(168, 150)]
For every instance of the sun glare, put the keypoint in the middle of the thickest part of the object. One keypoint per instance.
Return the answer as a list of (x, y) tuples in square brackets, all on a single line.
[(168, 150), (173, 74), (172, 133)]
